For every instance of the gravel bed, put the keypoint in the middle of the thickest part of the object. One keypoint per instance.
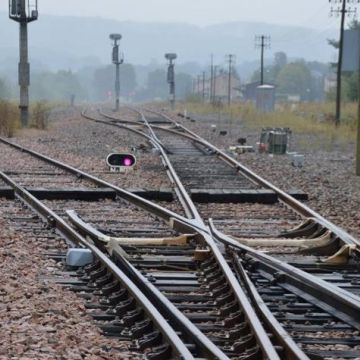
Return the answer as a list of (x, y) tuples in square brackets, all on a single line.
[(327, 175), (116, 218), (41, 320), (87, 145)]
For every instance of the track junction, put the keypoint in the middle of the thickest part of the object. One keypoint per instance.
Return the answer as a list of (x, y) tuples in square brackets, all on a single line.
[(230, 267)]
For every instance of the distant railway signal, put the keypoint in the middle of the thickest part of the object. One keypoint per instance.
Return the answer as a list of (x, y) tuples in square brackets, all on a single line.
[(117, 60), (24, 12), (118, 162), (171, 77)]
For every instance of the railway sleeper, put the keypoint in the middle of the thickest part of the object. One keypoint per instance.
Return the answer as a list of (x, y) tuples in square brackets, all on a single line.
[(117, 314)]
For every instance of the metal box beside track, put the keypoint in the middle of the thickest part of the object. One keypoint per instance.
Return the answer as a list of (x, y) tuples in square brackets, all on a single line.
[(274, 140), (265, 98)]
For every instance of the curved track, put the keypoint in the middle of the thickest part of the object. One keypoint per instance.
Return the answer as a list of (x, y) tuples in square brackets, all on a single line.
[(180, 286)]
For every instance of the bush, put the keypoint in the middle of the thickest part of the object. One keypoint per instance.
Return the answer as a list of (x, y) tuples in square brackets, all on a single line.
[(9, 118), (40, 115)]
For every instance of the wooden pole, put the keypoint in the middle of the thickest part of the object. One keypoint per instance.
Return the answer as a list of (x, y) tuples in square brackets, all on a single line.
[(358, 129)]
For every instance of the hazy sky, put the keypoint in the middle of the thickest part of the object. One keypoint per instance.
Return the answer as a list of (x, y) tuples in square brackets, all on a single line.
[(308, 13)]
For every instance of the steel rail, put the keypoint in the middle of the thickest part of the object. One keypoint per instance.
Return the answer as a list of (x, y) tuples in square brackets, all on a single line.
[(254, 322), (212, 351), (144, 204), (292, 351), (296, 205), (319, 286), (185, 198), (178, 218), (190, 211), (67, 232), (259, 332), (326, 292), (156, 296)]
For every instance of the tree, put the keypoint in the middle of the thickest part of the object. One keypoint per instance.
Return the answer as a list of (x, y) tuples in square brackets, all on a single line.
[(271, 72), (157, 84), (295, 79), (4, 90), (104, 81), (183, 85), (58, 86), (349, 78), (351, 90), (280, 59), (128, 79)]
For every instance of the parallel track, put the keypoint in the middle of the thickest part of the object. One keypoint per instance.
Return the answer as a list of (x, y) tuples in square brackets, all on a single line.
[(218, 298), (317, 225)]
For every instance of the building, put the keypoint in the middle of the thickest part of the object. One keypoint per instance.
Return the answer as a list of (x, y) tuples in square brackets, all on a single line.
[(221, 83)]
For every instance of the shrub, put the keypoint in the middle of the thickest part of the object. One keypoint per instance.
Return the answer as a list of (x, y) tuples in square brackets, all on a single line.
[(40, 115), (9, 118)]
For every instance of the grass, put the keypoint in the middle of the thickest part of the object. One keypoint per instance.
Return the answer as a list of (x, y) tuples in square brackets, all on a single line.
[(9, 118), (40, 112), (314, 119), (10, 115)]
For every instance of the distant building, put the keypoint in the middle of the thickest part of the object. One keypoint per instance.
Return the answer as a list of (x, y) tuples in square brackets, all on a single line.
[(221, 86), (330, 82), (249, 90)]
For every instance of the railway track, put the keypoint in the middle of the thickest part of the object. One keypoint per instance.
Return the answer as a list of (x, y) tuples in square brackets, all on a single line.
[(124, 284), (305, 258), (219, 299)]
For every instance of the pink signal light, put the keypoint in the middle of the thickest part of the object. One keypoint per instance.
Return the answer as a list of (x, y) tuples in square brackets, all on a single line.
[(128, 162)]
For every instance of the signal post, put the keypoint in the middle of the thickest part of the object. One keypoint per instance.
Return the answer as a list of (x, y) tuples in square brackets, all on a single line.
[(171, 78), (24, 12)]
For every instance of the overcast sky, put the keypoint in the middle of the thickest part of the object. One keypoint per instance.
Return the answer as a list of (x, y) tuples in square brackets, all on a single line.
[(308, 13)]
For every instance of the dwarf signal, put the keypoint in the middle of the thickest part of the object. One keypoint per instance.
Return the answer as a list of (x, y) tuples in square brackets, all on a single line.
[(120, 162)]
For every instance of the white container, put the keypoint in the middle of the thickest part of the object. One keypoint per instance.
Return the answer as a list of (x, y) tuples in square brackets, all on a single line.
[(298, 160)]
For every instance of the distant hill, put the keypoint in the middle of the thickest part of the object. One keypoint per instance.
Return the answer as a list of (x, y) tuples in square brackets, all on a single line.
[(73, 42)]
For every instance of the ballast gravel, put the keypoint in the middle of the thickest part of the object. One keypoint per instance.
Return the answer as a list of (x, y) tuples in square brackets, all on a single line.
[(40, 319)]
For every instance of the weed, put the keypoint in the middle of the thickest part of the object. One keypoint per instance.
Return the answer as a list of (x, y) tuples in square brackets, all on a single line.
[(9, 118), (40, 115), (313, 119)]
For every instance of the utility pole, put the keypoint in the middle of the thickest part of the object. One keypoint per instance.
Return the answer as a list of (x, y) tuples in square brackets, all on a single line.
[(230, 59), (341, 11), (203, 86), (171, 78), (262, 42), (198, 85), (212, 79), (117, 60), (24, 12), (357, 165), (214, 91)]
